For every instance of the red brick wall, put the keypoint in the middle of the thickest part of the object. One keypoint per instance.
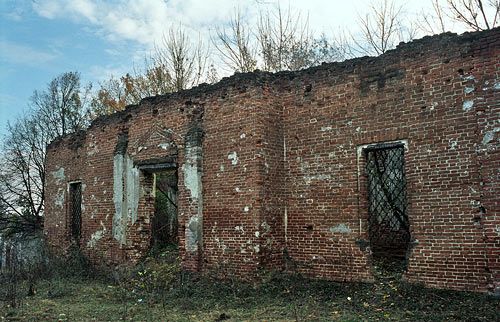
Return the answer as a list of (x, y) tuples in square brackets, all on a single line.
[(283, 182)]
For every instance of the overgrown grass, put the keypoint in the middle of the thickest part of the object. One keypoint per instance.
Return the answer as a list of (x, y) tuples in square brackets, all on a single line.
[(156, 290), (280, 298)]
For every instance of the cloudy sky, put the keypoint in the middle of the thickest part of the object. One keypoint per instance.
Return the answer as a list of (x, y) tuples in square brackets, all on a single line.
[(40, 39)]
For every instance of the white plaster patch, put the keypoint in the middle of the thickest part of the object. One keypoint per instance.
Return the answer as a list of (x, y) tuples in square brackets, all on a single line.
[(92, 149), (233, 156), (257, 234), (468, 89), (256, 248), (125, 195), (58, 175), (490, 135), (358, 129), (496, 86), (341, 228), (243, 135), (164, 146), (191, 180), (468, 105), (317, 177), (59, 198), (96, 236), (237, 189), (453, 144), (265, 226), (469, 77), (326, 128), (246, 209), (240, 229)]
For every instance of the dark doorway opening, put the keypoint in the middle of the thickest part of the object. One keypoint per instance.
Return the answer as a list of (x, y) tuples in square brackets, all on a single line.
[(389, 227), (75, 211), (165, 224)]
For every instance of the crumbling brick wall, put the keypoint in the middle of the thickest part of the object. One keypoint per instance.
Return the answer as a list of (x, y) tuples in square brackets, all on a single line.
[(271, 167)]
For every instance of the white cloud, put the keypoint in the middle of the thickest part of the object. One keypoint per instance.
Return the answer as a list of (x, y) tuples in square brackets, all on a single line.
[(21, 54), (143, 21)]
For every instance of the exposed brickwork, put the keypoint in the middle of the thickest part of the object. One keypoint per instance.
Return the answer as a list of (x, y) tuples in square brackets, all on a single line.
[(271, 169)]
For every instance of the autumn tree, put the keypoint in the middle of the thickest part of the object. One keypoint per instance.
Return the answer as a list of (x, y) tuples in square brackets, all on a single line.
[(176, 64)]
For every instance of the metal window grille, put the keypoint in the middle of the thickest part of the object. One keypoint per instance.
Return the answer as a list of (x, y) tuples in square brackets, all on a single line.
[(75, 195), (388, 219)]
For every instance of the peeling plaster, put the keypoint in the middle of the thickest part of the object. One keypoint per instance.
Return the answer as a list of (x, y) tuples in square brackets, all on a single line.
[(58, 175), (341, 228), (193, 233), (490, 135), (192, 172), (92, 149), (265, 226), (233, 156), (469, 89), (191, 180), (125, 195), (59, 198), (318, 177), (165, 146), (453, 144), (468, 105), (96, 236)]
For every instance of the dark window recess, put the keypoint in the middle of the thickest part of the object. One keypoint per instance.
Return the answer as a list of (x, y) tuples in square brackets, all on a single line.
[(165, 222), (389, 227), (75, 208)]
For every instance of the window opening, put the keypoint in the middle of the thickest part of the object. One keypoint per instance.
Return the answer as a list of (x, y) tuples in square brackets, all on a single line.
[(75, 198), (165, 222), (389, 227)]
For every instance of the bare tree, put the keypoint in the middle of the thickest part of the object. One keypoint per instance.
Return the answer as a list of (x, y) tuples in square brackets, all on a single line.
[(382, 28), (235, 45), (58, 110), (475, 14), (185, 61), (435, 22), (284, 39), (281, 40)]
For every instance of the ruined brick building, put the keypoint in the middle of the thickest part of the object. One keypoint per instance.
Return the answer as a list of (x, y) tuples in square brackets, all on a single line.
[(317, 171)]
